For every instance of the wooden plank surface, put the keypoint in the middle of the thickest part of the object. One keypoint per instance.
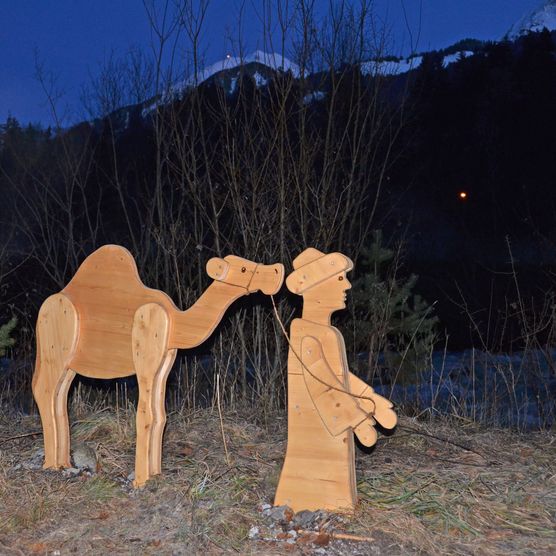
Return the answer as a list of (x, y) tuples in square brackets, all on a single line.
[(107, 290), (106, 323), (318, 471), (327, 404), (57, 334)]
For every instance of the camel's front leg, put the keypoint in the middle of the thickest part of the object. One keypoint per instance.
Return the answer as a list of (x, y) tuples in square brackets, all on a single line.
[(57, 332), (151, 326)]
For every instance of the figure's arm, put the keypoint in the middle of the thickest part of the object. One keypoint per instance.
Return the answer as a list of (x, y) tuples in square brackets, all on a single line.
[(338, 409), (371, 402)]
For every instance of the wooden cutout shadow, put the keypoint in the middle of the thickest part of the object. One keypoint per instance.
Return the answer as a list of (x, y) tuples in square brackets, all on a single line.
[(106, 323)]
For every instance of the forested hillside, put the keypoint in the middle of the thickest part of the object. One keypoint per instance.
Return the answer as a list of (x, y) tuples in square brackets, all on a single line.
[(271, 167)]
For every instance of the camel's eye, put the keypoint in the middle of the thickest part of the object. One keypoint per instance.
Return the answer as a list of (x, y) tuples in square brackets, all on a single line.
[(340, 278), (243, 269)]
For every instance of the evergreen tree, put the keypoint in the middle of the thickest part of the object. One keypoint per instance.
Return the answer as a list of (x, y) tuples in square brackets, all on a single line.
[(5, 339), (390, 318)]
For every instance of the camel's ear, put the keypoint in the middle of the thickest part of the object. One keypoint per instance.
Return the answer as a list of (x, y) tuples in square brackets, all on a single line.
[(218, 268)]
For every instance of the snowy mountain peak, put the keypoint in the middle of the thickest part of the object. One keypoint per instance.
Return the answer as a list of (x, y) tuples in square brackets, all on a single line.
[(271, 59), (537, 20)]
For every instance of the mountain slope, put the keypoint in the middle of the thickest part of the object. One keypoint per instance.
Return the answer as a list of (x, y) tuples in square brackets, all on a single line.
[(272, 60), (261, 66), (535, 21)]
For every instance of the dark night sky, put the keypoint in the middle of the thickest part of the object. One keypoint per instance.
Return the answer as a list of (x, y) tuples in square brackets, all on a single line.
[(73, 36)]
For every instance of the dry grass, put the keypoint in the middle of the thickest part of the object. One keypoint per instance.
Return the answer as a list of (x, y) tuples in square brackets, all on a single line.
[(434, 488)]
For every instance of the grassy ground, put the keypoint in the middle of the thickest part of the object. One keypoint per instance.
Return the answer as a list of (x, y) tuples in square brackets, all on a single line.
[(431, 488)]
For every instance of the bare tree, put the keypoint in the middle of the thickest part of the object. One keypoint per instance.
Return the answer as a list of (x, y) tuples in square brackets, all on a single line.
[(263, 172)]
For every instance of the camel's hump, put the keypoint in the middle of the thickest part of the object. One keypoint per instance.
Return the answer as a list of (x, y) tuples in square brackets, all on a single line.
[(106, 291), (109, 260)]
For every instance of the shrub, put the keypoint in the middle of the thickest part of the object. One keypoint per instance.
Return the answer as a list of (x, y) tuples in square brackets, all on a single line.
[(396, 327), (5, 339)]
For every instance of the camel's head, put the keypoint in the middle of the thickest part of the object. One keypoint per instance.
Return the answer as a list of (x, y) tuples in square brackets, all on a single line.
[(253, 277)]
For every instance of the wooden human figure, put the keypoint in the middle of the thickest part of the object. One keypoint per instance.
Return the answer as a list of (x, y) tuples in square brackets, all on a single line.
[(105, 324), (326, 402)]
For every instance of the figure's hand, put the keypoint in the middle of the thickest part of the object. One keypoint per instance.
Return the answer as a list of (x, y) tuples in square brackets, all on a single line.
[(367, 405), (371, 403), (366, 432)]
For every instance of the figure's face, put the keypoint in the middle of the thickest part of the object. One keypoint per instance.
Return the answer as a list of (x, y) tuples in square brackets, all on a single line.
[(330, 294), (337, 289)]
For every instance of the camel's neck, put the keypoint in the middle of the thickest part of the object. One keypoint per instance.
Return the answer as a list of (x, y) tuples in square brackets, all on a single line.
[(194, 325)]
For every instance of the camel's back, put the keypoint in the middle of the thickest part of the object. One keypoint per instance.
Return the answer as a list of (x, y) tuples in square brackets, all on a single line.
[(106, 291)]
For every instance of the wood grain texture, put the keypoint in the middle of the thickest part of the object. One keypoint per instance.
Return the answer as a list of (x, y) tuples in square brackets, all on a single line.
[(319, 468), (327, 404), (151, 327), (57, 333), (319, 270), (338, 409), (106, 323), (107, 290)]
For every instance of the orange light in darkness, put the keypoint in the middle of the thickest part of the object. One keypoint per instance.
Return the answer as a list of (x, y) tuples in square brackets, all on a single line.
[(463, 195)]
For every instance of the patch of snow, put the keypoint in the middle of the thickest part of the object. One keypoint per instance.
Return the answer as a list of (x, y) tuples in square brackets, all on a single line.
[(508, 390), (233, 85), (149, 108), (375, 67), (537, 20), (273, 60), (314, 96), (452, 58), (260, 80)]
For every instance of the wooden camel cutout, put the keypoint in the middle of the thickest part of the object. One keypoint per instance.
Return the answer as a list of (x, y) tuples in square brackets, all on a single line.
[(326, 402), (106, 324)]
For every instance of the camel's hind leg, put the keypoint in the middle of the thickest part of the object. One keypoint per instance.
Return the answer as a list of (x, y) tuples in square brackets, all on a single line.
[(57, 332), (62, 420), (151, 326), (159, 422)]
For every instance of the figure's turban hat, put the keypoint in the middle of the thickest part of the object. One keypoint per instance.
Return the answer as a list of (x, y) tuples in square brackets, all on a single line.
[(311, 267)]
